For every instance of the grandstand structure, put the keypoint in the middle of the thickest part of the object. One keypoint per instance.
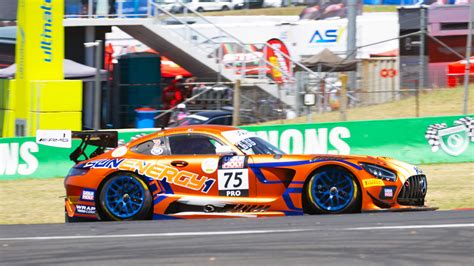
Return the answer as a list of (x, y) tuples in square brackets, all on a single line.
[(176, 38)]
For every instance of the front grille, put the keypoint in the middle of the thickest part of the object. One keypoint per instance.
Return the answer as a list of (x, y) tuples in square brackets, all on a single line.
[(413, 191)]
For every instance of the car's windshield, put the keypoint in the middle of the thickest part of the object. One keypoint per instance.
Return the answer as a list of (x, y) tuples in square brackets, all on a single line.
[(250, 144), (256, 145)]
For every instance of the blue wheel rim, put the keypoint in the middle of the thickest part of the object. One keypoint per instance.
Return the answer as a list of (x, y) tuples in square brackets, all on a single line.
[(124, 197), (332, 190)]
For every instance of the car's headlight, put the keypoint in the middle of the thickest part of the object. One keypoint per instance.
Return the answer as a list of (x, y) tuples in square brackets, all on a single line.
[(379, 172)]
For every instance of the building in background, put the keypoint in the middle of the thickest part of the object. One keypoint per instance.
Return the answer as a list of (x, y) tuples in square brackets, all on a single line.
[(8, 10), (445, 42)]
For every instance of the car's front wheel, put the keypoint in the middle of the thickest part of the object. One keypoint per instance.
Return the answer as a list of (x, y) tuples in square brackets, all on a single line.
[(330, 190), (125, 196)]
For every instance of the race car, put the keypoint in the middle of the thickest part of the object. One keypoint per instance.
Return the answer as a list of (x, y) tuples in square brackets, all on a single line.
[(209, 171)]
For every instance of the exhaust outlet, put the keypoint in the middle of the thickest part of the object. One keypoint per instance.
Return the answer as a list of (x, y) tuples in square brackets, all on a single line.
[(209, 208)]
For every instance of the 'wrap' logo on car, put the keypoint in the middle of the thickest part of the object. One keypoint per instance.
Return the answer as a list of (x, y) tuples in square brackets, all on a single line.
[(84, 209)]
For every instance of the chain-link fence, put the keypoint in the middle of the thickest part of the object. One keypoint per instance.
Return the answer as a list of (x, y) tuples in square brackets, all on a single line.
[(379, 80), (256, 106), (332, 102), (378, 84)]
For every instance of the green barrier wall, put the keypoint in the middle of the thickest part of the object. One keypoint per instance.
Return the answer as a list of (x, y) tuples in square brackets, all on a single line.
[(22, 158), (403, 139)]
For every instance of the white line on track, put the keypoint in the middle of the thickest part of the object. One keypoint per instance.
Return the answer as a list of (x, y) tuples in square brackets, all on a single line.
[(154, 235), (426, 226), (247, 232)]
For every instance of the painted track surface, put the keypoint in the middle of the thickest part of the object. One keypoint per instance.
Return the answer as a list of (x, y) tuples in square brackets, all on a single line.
[(431, 238)]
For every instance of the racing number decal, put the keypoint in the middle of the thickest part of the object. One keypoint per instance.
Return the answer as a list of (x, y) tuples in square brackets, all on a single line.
[(236, 176), (233, 176), (233, 182)]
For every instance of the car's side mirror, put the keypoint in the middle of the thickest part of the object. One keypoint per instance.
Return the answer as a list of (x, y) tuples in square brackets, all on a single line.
[(224, 150)]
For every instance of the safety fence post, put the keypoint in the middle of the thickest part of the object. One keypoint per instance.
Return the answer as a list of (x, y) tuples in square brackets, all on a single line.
[(236, 99)]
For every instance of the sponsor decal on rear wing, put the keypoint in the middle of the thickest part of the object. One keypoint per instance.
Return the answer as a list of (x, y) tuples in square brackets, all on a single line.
[(54, 138), (101, 140)]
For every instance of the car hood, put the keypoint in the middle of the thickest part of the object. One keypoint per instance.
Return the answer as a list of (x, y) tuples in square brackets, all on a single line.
[(404, 169)]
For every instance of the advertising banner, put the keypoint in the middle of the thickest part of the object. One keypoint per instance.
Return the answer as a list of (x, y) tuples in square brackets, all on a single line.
[(278, 56), (447, 139), (39, 72)]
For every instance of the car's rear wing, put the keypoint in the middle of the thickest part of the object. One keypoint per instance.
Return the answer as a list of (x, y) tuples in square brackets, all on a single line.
[(100, 139)]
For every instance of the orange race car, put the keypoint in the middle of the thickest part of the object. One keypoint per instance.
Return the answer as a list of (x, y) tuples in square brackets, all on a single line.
[(219, 171)]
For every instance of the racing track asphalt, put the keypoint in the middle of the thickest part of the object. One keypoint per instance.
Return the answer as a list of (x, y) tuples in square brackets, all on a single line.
[(428, 238)]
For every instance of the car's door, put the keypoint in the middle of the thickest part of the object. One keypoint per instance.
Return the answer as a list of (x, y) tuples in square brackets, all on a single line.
[(180, 172), (271, 178), (213, 5), (217, 4), (212, 174), (206, 5), (266, 163)]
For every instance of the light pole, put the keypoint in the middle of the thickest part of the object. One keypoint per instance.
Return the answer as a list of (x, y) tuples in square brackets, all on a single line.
[(351, 47), (468, 59), (97, 45)]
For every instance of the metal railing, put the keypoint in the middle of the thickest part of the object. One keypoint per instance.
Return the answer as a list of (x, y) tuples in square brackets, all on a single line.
[(211, 46), (244, 49)]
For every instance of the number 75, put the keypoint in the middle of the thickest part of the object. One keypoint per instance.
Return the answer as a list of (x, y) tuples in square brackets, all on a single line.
[(236, 176)]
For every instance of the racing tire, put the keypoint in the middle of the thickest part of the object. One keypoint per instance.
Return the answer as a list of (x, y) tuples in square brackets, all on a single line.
[(123, 197), (199, 9), (331, 190)]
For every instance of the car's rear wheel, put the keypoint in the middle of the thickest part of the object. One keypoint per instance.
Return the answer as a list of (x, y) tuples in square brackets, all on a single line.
[(199, 9), (225, 8), (125, 196), (330, 190)]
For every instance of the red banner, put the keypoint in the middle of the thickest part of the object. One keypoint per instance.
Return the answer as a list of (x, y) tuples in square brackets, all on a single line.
[(276, 51)]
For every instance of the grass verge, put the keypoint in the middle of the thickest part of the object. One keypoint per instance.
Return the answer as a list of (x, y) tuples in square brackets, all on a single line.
[(37, 201), (32, 201), (450, 186), (431, 103)]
